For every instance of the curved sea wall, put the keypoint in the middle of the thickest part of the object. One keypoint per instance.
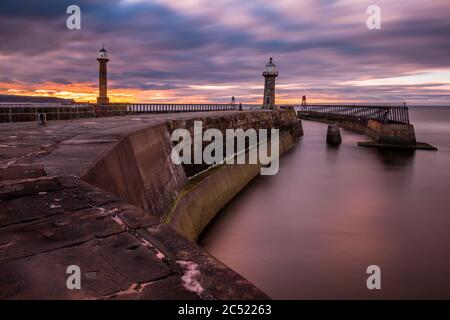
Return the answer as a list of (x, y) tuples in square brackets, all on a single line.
[(139, 169), (203, 197)]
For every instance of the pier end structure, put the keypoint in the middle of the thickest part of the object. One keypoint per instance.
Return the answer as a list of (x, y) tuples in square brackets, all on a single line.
[(388, 127)]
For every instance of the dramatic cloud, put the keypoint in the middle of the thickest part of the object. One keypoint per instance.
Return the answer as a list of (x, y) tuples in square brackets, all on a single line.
[(200, 50)]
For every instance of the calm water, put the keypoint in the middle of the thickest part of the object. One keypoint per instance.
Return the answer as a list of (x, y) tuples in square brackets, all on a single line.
[(312, 230)]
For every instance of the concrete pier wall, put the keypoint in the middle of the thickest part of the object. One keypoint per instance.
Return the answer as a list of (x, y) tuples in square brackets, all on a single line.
[(140, 171), (384, 133), (139, 168), (391, 133), (203, 198)]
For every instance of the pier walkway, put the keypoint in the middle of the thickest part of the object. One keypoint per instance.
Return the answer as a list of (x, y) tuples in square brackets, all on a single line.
[(50, 220)]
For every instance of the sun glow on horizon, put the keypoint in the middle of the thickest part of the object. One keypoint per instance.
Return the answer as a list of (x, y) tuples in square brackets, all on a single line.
[(86, 93), (247, 93)]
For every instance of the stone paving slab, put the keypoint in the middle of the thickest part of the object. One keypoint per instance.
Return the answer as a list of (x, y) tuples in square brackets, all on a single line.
[(109, 266), (123, 252), (18, 189), (41, 205), (16, 172), (56, 232)]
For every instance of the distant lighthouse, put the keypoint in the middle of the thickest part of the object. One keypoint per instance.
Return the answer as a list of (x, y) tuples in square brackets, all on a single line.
[(270, 73), (102, 77)]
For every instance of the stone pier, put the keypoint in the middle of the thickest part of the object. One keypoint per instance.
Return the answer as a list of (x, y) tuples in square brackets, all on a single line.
[(383, 135), (102, 194)]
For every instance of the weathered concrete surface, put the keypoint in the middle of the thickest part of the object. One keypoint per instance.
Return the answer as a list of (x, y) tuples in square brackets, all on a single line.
[(140, 170), (50, 219), (211, 192), (47, 224), (391, 133)]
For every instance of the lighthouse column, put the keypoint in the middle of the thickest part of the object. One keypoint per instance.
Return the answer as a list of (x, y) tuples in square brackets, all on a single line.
[(270, 73), (103, 77)]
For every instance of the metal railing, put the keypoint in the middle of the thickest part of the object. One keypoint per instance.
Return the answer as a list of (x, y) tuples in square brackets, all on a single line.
[(361, 113), (178, 107), (18, 112)]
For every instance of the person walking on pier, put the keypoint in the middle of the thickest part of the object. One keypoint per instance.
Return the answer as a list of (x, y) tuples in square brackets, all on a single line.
[(386, 114)]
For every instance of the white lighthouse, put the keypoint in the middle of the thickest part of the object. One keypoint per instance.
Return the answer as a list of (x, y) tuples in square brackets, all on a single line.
[(270, 73)]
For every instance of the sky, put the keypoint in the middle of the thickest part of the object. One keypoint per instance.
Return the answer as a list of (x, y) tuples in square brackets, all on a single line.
[(209, 50)]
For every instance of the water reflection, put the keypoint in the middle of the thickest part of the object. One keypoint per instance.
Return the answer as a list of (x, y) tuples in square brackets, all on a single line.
[(312, 230), (392, 158)]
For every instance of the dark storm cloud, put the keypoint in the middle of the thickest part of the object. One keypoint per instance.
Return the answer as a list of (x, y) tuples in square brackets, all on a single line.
[(163, 45)]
